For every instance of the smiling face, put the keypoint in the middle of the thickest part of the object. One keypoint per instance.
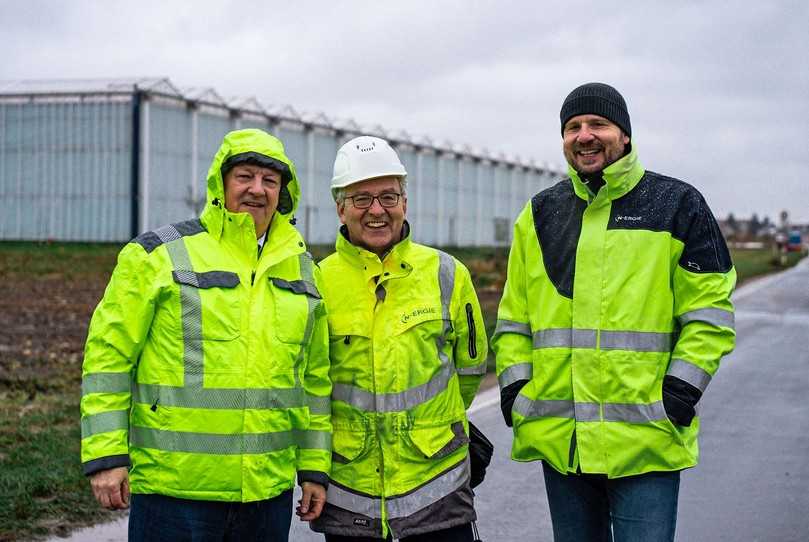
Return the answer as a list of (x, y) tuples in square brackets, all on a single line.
[(376, 228), (591, 143), (253, 189)]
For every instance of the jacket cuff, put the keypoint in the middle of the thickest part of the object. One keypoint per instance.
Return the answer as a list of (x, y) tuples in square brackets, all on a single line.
[(105, 463), (313, 476)]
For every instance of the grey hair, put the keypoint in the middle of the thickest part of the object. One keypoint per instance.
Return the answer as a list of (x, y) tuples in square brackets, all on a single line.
[(339, 194)]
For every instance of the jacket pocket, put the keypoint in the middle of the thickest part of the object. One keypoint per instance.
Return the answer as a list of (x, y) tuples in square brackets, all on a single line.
[(440, 441), (295, 303), (347, 445), (470, 322), (209, 304)]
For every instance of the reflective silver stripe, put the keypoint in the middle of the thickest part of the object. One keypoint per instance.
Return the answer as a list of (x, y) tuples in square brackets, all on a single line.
[(168, 233), (105, 383), (153, 239), (518, 371), (509, 326), (583, 338), (253, 398), (475, 370), (590, 412), (104, 422), (636, 341), (446, 282), (318, 405), (191, 309), (405, 505), (189, 227), (313, 440), (352, 501), (560, 408), (587, 412), (393, 402), (307, 273), (209, 279), (439, 382), (214, 443), (437, 488), (565, 337), (634, 413), (690, 372), (715, 317), (440, 342), (312, 300)]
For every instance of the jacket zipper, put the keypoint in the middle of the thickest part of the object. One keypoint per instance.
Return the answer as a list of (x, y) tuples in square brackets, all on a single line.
[(470, 320), (380, 427)]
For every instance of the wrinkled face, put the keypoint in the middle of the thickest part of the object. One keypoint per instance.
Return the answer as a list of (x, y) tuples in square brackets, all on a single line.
[(591, 143), (253, 189), (376, 228)]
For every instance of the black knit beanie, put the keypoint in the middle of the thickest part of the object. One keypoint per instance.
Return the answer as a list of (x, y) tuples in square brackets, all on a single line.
[(596, 99)]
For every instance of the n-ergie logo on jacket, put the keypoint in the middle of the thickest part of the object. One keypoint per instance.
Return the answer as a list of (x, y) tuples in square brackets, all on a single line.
[(422, 313)]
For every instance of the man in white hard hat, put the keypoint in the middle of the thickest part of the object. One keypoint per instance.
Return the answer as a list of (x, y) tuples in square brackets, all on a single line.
[(408, 350)]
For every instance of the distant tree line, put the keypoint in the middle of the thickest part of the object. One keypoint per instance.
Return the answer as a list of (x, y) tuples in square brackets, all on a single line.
[(747, 229)]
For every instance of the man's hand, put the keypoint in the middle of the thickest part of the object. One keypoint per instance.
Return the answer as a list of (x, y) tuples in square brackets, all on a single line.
[(311, 504), (111, 488)]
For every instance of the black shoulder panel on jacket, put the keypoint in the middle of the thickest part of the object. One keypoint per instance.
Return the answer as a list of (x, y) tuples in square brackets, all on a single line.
[(557, 215), (654, 204), (660, 203), (150, 240)]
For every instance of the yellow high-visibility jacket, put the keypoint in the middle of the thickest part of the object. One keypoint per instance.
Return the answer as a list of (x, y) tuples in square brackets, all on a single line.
[(607, 296), (206, 366), (408, 351)]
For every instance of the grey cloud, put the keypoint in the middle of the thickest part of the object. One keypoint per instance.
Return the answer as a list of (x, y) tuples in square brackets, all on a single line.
[(717, 91)]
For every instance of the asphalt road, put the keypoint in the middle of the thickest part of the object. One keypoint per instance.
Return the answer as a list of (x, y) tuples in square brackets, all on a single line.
[(752, 483)]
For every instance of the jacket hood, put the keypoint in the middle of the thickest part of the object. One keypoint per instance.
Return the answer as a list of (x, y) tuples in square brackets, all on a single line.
[(619, 177), (255, 144)]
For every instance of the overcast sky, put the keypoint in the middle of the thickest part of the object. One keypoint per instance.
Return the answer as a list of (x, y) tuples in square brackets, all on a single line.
[(718, 92)]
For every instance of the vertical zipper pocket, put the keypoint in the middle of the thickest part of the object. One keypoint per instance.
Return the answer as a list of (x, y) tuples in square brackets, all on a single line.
[(470, 320)]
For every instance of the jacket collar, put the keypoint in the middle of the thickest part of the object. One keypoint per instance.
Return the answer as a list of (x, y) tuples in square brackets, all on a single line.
[(238, 232), (393, 261), (619, 178)]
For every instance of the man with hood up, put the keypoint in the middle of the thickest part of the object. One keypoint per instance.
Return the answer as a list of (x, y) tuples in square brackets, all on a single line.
[(205, 384)]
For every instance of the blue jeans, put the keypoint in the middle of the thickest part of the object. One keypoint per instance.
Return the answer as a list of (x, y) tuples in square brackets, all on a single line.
[(593, 508), (157, 518)]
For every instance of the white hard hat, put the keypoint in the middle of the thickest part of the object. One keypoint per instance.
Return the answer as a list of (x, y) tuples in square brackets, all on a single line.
[(363, 158)]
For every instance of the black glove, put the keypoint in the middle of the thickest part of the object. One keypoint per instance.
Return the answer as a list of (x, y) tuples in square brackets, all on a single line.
[(679, 400), (480, 454), (507, 397)]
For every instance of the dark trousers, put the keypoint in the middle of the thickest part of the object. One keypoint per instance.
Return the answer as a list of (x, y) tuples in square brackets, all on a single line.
[(461, 533), (593, 508), (157, 518)]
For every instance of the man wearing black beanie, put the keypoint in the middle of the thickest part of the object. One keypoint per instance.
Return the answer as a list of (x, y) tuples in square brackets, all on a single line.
[(614, 318)]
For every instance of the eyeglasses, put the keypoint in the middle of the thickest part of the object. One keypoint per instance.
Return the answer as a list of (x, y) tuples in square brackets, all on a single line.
[(364, 201)]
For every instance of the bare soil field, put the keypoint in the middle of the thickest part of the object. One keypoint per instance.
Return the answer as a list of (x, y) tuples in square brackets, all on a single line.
[(47, 296)]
